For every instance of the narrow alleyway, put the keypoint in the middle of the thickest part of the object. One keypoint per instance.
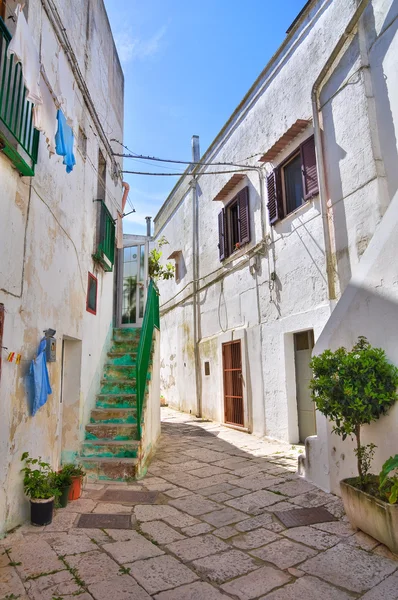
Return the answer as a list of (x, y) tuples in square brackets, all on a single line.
[(205, 530)]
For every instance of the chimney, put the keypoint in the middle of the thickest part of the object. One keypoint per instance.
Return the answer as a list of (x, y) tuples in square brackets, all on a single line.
[(148, 226), (195, 149)]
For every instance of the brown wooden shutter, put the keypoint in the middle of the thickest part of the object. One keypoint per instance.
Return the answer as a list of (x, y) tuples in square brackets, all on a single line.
[(222, 246), (310, 175), (273, 190), (244, 216)]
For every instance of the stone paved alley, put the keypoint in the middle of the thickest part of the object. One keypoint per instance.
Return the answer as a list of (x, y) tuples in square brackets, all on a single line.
[(211, 535)]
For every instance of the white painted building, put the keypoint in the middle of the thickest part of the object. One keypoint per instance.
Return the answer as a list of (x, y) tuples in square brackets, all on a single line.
[(256, 288), (51, 225)]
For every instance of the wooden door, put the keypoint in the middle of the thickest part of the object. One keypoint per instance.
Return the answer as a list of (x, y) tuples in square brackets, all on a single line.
[(233, 387)]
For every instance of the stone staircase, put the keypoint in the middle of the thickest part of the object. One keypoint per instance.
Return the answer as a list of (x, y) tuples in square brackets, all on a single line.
[(110, 449)]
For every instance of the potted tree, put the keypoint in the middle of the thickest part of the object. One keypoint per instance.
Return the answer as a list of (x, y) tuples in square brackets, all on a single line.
[(40, 487), (76, 474), (354, 388), (63, 482)]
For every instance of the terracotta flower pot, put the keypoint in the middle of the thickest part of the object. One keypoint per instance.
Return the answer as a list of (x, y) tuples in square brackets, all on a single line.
[(76, 488)]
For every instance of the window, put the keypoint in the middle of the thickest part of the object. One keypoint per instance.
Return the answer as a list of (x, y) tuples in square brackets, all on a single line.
[(234, 224), (106, 233), (293, 183), (91, 302), (101, 181), (82, 143)]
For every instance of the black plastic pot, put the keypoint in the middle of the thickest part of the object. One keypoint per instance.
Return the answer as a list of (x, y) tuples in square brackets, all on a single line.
[(63, 499), (41, 511)]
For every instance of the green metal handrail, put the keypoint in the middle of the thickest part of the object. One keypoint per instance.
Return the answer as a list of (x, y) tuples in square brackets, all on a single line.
[(15, 111), (150, 322)]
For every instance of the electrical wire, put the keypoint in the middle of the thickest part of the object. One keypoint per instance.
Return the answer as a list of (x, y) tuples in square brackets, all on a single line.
[(187, 173), (183, 162)]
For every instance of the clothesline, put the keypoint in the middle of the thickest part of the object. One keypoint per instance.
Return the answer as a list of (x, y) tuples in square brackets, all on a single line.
[(49, 104)]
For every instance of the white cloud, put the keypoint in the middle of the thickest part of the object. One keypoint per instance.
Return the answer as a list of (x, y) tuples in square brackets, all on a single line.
[(131, 48)]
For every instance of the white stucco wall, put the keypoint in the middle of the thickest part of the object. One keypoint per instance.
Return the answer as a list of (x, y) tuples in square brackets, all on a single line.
[(234, 299), (47, 238), (368, 305)]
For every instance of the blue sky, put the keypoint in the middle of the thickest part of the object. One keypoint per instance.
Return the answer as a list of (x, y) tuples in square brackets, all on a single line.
[(186, 66)]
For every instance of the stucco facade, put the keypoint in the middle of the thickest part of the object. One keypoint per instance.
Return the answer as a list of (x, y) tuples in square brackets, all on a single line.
[(335, 72), (48, 234)]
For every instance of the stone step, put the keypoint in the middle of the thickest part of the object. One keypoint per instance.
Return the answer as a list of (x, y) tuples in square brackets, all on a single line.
[(113, 469), (120, 400), (118, 372), (110, 449), (111, 431), (124, 347), (126, 334), (113, 415), (122, 358), (120, 386)]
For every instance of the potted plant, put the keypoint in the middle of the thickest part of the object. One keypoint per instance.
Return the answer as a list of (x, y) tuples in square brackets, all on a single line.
[(63, 482), (354, 388), (40, 487), (76, 473)]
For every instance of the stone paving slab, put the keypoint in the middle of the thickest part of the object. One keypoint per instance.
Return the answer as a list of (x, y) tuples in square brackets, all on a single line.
[(349, 567), (197, 547), (161, 533), (222, 567), (226, 516), (284, 553), (258, 582), (118, 588), (136, 548), (10, 583), (34, 557), (94, 566), (163, 573), (254, 539), (195, 505), (251, 503), (213, 533), (45, 588), (194, 591), (309, 588)]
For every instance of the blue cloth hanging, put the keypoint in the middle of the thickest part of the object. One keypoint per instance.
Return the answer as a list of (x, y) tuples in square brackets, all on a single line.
[(64, 141), (39, 378)]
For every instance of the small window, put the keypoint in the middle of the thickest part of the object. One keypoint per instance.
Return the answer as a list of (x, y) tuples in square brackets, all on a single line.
[(101, 182), (106, 237), (207, 368), (234, 224), (293, 183), (82, 142), (91, 303)]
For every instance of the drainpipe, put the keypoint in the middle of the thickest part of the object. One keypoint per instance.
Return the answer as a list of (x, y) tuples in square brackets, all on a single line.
[(126, 188), (327, 224), (195, 277)]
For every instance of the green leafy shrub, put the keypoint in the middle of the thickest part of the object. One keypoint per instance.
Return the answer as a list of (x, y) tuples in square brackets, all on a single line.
[(388, 485), (72, 470), (353, 388), (156, 269), (39, 479)]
